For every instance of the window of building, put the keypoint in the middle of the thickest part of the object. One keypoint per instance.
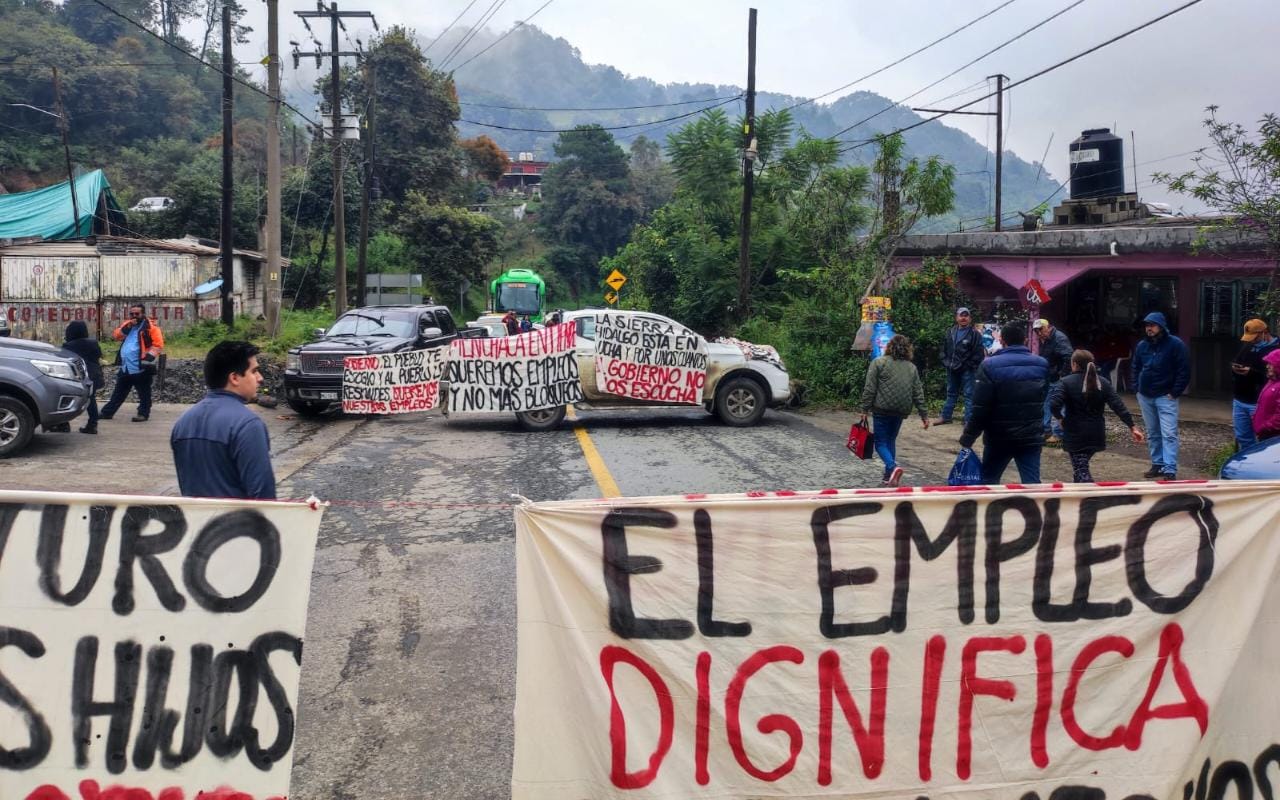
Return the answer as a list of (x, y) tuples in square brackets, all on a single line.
[(251, 283), (1225, 305)]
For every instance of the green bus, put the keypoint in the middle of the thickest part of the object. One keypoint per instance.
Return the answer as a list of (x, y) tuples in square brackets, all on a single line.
[(520, 290)]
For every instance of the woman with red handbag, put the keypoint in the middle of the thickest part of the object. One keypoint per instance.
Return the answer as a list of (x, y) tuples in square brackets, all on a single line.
[(893, 388)]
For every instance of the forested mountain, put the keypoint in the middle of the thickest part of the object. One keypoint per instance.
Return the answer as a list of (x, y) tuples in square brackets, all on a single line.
[(532, 69)]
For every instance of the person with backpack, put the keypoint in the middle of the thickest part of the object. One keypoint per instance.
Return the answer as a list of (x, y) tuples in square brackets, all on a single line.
[(892, 389), (79, 342), (1080, 401)]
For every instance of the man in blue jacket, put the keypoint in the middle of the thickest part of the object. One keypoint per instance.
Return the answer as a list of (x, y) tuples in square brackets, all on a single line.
[(221, 448), (1008, 401), (1161, 372)]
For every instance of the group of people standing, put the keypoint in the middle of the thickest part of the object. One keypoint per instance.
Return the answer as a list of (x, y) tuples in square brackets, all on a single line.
[(1018, 401)]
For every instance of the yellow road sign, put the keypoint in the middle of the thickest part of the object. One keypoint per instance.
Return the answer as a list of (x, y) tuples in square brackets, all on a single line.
[(616, 279), (611, 297)]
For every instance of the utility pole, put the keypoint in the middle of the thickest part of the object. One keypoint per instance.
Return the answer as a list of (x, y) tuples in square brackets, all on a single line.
[(226, 234), (66, 151), (272, 284), (339, 211), (366, 195), (1000, 79), (748, 174)]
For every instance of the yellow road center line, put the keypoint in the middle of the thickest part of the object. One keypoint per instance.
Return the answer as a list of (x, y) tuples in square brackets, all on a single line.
[(604, 480)]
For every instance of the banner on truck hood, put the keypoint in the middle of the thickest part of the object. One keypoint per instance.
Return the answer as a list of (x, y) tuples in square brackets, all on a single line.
[(646, 358), (1114, 642), (150, 647), (393, 383), (527, 372)]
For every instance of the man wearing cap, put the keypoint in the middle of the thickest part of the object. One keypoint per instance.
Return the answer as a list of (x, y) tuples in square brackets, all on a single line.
[(1056, 349), (1249, 374), (1161, 370), (962, 354)]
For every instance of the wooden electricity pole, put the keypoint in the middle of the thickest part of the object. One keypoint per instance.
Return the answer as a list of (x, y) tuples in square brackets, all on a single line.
[(366, 195), (748, 174), (226, 234), (1000, 79), (272, 296), (66, 151), (339, 207)]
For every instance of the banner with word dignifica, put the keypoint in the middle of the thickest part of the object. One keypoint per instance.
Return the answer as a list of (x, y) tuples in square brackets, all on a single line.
[(393, 383), (648, 358), (531, 371), (150, 647), (1049, 643)]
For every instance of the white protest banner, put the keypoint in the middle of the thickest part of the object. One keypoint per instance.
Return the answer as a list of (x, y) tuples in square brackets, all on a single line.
[(124, 624), (1049, 643), (646, 358), (392, 383), (534, 370)]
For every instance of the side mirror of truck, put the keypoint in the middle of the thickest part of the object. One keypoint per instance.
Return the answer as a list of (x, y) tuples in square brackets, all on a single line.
[(430, 333), (317, 333)]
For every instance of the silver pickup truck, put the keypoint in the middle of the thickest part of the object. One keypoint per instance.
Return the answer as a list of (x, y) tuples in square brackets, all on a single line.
[(39, 385)]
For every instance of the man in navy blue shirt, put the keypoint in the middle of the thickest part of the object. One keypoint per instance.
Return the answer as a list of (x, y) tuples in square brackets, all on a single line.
[(220, 447)]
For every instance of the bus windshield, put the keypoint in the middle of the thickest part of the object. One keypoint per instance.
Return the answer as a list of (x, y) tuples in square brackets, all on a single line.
[(521, 298)]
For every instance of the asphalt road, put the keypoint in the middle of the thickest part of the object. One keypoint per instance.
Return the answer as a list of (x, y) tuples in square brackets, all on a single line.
[(408, 677)]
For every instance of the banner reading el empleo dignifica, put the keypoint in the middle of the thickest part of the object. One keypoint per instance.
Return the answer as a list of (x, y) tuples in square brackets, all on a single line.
[(150, 647), (1057, 642)]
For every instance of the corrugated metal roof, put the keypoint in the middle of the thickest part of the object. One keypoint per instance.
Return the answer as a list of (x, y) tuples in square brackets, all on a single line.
[(123, 245), (72, 249)]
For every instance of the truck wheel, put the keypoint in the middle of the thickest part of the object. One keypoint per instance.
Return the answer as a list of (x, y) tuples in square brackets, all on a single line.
[(740, 402), (16, 426), (544, 419), (304, 409)]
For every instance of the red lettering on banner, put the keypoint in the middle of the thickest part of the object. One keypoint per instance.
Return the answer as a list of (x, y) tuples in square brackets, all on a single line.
[(1193, 705), (1090, 652), (768, 723), (971, 686), (1044, 700), (868, 739), (609, 657), (934, 652), (90, 790), (702, 734)]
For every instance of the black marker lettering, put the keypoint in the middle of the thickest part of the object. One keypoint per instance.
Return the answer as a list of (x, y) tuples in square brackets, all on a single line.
[(707, 624), (619, 566)]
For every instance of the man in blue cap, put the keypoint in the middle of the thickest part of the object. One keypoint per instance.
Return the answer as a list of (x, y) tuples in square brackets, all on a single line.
[(1161, 372)]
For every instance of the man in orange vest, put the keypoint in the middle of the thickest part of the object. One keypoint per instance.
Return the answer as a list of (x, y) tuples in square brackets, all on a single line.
[(140, 348)]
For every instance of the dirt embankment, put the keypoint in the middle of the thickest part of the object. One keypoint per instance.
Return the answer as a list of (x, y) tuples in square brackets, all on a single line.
[(182, 380)]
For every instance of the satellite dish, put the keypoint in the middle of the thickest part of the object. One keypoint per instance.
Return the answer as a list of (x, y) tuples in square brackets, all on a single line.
[(209, 286)]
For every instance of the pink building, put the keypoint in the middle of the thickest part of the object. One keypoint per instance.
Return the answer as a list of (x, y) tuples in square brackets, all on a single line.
[(1102, 280)]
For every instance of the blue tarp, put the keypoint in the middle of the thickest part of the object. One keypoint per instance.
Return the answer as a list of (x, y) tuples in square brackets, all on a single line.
[(47, 212)]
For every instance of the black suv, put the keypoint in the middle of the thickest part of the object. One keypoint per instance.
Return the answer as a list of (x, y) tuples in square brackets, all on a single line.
[(313, 372)]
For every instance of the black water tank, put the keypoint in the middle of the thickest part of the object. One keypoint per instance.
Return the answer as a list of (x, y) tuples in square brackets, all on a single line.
[(1097, 165)]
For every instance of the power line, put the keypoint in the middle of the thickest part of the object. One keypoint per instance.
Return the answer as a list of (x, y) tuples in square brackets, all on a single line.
[(602, 127), (862, 143), (895, 63), (207, 64), (603, 108), (959, 69), (457, 49), (514, 28), (448, 28)]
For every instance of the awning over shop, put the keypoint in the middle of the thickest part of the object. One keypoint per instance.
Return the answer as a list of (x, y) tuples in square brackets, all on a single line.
[(47, 212)]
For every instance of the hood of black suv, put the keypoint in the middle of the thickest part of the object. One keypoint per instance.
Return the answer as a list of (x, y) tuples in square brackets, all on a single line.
[(356, 345)]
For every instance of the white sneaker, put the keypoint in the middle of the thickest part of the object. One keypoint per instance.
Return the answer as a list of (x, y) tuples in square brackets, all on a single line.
[(895, 477)]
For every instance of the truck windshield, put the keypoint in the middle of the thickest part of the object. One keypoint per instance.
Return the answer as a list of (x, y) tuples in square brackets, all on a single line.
[(376, 323), (521, 298)]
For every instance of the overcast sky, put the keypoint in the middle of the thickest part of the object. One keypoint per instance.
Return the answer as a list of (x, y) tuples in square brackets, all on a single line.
[(1155, 83)]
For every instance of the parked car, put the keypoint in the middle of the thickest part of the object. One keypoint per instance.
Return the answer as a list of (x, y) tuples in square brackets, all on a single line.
[(1261, 462), (313, 372), (153, 204), (738, 388), (39, 385)]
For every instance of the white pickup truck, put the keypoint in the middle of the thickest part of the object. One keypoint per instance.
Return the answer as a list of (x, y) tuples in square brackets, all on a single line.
[(738, 388)]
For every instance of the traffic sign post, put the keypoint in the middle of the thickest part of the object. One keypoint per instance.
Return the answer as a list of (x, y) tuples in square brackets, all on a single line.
[(611, 298), (615, 280)]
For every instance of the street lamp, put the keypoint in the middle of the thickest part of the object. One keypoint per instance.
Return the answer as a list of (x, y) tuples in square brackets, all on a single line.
[(66, 150)]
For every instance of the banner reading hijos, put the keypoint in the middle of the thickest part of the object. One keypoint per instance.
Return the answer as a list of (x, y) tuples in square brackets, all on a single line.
[(1041, 643), (150, 647), (647, 358), (527, 372), (393, 383)]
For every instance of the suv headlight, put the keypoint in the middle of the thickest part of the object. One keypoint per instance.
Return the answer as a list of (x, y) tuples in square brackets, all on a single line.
[(55, 369), (293, 362)]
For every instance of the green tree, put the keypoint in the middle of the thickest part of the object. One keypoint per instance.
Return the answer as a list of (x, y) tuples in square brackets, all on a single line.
[(451, 244), (1243, 180), (652, 178)]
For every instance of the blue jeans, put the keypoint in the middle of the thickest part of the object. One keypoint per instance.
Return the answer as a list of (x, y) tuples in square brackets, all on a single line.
[(1049, 421), (1160, 415), (1242, 422), (996, 458), (959, 382), (886, 427)]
